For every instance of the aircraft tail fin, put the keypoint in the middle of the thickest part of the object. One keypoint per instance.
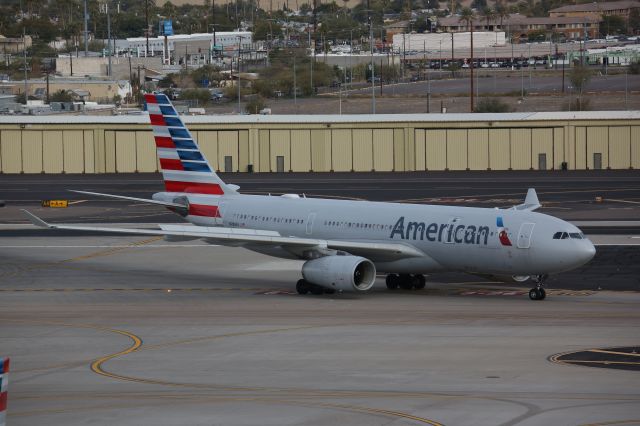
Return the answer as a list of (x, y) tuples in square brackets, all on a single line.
[(184, 166)]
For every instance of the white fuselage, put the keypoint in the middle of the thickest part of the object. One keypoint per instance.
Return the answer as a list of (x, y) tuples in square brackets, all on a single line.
[(451, 238)]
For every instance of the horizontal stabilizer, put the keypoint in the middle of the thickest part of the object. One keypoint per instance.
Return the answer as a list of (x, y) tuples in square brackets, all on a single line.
[(140, 200)]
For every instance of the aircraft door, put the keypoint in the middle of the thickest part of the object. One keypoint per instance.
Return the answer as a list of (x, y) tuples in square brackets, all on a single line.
[(310, 219), (221, 209), (524, 236)]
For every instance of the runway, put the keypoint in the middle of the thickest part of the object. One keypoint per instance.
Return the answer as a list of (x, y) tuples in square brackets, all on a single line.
[(109, 330), (127, 330)]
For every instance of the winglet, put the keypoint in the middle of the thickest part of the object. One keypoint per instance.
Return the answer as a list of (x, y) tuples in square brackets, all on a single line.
[(531, 201), (36, 220)]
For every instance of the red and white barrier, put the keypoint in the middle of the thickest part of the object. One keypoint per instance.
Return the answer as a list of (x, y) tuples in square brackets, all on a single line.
[(4, 384)]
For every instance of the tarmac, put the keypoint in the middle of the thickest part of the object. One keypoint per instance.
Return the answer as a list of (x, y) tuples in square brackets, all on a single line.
[(128, 330), (106, 330)]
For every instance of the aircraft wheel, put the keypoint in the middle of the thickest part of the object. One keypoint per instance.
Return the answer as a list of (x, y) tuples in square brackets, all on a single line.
[(302, 287), (392, 281), (316, 289), (419, 282), (537, 294), (329, 291), (542, 293), (406, 282)]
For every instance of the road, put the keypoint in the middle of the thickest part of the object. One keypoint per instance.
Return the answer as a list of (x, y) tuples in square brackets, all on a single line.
[(500, 81)]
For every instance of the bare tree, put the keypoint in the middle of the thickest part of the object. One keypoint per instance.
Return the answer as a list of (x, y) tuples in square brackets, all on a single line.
[(579, 77)]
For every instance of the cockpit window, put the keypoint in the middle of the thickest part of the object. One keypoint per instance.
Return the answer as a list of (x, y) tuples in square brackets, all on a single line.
[(576, 235), (560, 236)]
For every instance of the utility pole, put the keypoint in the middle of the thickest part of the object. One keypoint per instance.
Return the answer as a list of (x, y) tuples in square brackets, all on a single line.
[(213, 19), (471, 64), (238, 68), (86, 31), (139, 85), (453, 57), (373, 79), (109, 36), (311, 59), (564, 59), (47, 74), (130, 77), (295, 85), (24, 50), (146, 21)]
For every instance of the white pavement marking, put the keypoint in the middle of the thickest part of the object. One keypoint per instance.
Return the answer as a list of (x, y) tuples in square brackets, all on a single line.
[(116, 246)]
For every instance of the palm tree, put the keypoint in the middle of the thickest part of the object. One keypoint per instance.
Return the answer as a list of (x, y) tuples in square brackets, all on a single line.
[(489, 15), (467, 15), (501, 12)]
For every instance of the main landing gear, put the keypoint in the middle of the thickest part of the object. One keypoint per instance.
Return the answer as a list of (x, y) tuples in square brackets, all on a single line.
[(538, 293), (406, 281), (304, 287)]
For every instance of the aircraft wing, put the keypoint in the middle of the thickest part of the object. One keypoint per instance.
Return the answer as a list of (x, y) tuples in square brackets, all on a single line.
[(302, 247)]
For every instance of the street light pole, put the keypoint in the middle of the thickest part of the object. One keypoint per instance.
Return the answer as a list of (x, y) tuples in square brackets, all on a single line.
[(311, 60), (373, 79), (108, 36), (24, 51), (295, 85), (86, 31), (238, 72)]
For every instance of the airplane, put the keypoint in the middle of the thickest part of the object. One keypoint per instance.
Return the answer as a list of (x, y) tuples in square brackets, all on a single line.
[(346, 243)]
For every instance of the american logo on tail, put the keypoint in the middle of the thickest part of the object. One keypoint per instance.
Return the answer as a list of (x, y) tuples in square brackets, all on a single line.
[(184, 168)]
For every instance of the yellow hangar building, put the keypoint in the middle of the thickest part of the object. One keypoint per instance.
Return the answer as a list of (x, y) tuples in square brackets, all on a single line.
[(325, 143)]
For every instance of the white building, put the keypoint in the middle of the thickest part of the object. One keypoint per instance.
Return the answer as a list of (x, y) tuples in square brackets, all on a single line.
[(435, 41), (227, 40)]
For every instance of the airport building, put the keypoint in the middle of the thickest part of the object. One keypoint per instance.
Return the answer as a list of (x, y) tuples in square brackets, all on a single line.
[(324, 143), (225, 40)]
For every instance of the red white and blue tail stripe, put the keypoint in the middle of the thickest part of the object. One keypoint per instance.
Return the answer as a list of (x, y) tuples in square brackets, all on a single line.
[(184, 168), (4, 385)]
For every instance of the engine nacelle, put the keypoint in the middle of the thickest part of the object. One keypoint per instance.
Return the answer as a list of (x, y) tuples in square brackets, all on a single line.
[(343, 273)]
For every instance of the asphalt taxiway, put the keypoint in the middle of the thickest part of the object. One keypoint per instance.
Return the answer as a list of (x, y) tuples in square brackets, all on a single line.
[(129, 330), (134, 330)]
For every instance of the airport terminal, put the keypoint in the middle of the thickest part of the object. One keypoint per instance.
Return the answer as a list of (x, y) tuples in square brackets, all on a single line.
[(173, 255)]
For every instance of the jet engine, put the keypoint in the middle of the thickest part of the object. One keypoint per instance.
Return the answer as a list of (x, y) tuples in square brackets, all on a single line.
[(342, 273)]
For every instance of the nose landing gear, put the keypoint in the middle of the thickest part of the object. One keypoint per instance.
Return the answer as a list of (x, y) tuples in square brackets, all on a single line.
[(538, 293)]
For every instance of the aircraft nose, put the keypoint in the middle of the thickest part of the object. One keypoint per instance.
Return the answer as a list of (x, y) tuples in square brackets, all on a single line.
[(587, 251)]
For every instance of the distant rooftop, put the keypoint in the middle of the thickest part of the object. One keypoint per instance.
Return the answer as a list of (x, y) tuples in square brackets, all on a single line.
[(517, 19), (332, 119), (597, 6)]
